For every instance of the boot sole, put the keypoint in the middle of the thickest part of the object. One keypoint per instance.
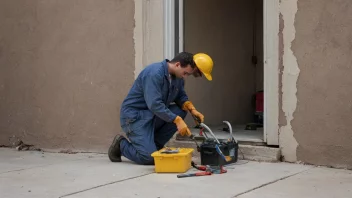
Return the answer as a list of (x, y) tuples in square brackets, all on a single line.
[(114, 142)]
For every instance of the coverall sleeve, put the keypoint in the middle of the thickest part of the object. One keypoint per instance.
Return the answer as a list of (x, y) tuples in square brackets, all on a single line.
[(182, 96), (152, 87)]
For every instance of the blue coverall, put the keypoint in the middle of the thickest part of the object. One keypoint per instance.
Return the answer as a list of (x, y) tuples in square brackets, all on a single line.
[(147, 114)]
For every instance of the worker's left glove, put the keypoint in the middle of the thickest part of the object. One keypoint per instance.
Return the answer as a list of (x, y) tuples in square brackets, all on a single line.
[(190, 107), (182, 127)]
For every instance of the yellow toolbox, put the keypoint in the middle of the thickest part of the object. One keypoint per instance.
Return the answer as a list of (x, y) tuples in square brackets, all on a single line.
[(178, 162)]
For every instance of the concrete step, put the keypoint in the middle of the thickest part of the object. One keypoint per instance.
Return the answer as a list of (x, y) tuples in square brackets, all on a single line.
[(246, 152)]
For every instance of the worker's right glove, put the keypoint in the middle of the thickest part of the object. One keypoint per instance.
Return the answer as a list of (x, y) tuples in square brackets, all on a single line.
[(182, 127), (190, 107)]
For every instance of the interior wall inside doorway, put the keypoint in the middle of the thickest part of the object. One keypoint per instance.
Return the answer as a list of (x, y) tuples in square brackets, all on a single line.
[(224, 29)]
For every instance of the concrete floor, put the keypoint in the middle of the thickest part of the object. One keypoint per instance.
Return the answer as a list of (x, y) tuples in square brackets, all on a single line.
[(40, 174)]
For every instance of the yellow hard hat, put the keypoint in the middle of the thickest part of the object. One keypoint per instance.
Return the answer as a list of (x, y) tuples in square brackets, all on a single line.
[(204, 64)]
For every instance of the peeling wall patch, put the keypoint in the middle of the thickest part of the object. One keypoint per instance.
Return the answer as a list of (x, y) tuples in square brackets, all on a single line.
[(288, 144)]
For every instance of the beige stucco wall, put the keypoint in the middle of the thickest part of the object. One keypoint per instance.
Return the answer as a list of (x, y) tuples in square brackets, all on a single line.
[(225, 32), (65, 67), (148, 33), (315, 78), (323, 47)]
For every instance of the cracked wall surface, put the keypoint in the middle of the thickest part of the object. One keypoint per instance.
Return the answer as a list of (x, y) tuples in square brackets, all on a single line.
[(323, 46), (65, 67), (290, 72)]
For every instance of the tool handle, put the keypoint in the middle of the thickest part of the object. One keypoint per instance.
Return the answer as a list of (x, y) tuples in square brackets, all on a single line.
[(194, 174), (202, 168), (230, 128), (196, 119), (186, 175), (203, 173), (199, 167), (205, 126)]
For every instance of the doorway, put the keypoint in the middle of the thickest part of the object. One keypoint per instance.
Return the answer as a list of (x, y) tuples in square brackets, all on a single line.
[(236, 35)]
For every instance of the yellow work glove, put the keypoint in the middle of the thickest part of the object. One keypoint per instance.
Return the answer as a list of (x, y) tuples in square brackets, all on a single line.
[(190, 107), (182, 127)]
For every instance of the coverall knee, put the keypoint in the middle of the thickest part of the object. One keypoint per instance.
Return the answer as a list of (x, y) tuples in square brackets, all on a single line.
[(147, 136)]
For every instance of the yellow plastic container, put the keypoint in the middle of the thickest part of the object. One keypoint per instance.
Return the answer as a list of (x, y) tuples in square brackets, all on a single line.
[(173, 163)]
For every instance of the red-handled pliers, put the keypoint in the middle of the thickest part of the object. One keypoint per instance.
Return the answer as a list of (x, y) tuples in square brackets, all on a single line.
[(194, 174)]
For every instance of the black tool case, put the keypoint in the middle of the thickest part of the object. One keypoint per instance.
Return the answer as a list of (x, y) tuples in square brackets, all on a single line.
[(210, 156)]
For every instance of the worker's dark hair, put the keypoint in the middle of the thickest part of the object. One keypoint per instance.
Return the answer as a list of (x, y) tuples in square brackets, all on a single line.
[(185, 58)]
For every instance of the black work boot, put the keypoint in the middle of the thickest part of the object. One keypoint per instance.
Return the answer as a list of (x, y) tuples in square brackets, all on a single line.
[(114, 150)]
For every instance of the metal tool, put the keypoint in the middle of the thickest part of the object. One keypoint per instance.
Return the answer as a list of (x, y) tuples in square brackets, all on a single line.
[(209, 130), (212, 169), (195, 141), (194, 174), (170, 151), (208, 170), (198, 125), (196, 119), (230, 129), (198, 122), (212, 134)]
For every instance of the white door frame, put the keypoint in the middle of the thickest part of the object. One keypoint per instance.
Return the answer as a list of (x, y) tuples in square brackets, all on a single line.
[(271, 71), (271, 59), (169, 28)]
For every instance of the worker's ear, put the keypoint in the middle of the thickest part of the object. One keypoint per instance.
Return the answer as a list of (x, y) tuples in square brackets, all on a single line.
[(178, 64)]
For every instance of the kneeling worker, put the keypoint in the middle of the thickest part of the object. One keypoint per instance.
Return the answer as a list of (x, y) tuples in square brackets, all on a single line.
[(147, 116)]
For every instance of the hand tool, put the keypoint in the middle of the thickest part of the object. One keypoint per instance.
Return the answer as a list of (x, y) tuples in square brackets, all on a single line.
[(198, 125), (170, 151), (194, 174), (198, 122), (196, 119), (195, 141), (212, 169), (208, 170)]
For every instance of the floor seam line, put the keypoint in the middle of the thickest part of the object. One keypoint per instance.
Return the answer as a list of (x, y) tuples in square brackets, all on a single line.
[(102, 185), (272, 182), (17, 170)]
